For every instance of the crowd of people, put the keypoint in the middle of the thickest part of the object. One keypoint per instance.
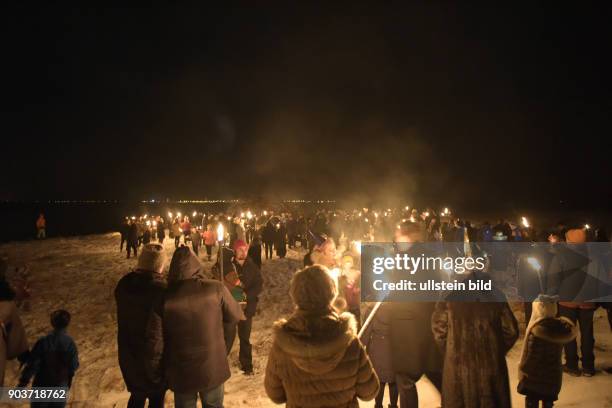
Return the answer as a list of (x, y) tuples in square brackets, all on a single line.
[(175, 332)]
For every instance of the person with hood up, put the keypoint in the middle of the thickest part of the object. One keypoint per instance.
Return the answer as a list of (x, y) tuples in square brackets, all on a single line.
[(268, 235), (184, 337), (540, 369), (316, 358), (135, 295)]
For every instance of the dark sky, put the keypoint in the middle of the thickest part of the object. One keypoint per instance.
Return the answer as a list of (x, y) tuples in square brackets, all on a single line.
[(477, 105)]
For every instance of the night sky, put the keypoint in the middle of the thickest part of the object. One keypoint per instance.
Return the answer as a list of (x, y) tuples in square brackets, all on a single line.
[(474, 105)]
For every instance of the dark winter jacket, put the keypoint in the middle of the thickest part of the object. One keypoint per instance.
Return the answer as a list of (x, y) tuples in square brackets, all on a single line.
[(377, 340), (252, 283), (568, 276), (318, 361), (184, 340), (53, 361), (475, 337), (540, 369), (135, 295), (255, 251), (132, 237), (414, 355), (268, 233)]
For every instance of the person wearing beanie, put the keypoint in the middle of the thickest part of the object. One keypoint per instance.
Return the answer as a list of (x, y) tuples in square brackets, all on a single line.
[(184, 342), (251, 282), (568, 278), (316, 359), (323, 251), (540, 368), (135, 295)]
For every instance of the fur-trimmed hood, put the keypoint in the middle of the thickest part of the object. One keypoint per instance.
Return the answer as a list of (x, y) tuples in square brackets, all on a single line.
[(316, 344), (555, 330)]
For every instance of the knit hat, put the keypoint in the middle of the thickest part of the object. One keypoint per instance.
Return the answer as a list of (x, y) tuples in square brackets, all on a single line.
[(575, 236), (240, 244), (313, 289), (152, 258)]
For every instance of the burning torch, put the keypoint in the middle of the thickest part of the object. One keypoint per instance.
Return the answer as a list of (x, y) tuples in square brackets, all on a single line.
[(220, 236)]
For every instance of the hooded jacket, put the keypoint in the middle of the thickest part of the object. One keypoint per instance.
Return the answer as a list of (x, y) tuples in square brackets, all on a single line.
[(540, 369), (318, 361), (135, 295), (184, 340)]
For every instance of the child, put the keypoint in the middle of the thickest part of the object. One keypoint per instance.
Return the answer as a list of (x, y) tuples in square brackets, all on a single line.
[(54, 358), (540, 369)]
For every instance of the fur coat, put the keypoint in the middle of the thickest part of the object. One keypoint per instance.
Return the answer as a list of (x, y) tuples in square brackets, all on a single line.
[(318, 361)]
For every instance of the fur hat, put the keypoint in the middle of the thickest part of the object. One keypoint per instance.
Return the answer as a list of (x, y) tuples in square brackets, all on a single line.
[(152, 258), (313, 289)]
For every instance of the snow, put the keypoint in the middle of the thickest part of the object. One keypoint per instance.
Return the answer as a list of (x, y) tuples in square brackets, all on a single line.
[(80, 273)]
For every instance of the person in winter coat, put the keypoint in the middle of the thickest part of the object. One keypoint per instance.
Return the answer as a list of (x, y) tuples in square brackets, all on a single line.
[(252, 284), (255, 249), (176, 232), (196, 240), (280, 240), (540, 369), (13, 341), (41, 227), (475, 337), (420, 356), (184, 337), (567, 277), (377, 341), (132, 239), (135, 295), (316, 359), (54, 358), (210, 239), (268, 236), (161, 230), (124, 230)]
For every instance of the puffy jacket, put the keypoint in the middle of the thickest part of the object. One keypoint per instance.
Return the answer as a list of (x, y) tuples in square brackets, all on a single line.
[(184, 337), (318, 361)]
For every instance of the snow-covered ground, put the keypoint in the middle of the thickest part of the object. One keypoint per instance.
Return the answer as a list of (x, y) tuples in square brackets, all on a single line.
[(79, 274)]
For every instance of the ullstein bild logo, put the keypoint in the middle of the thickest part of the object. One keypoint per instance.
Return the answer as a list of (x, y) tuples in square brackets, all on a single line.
[(485, 272)]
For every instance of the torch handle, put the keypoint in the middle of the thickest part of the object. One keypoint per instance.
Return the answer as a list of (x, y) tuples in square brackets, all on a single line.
[(369, 319)]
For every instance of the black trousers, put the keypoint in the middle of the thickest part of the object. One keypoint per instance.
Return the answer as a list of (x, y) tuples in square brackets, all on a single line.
[(138, 400), (584, 317), (268, 248), (123, 241), (196, 248), (381, 395), (133, 246), (532, 402), (406, 387), (245, 356), (209, 250)]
